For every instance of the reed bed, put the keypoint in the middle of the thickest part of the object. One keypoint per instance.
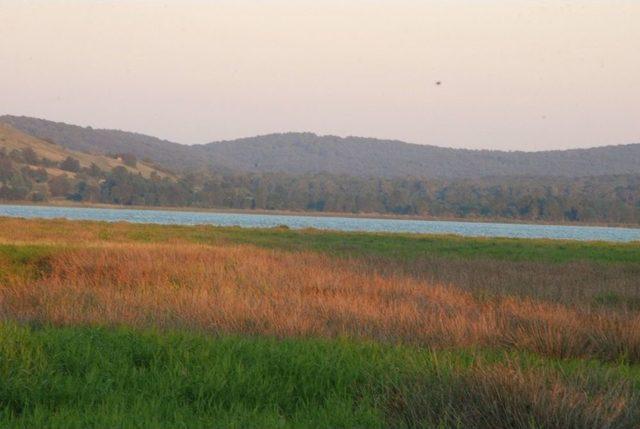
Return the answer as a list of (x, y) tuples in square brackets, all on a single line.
[(248, 290)]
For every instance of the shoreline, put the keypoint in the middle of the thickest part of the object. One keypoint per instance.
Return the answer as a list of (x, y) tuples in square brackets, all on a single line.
[(379, 216)]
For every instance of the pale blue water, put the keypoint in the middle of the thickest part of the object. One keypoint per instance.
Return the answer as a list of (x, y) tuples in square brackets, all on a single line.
[(475, 229)]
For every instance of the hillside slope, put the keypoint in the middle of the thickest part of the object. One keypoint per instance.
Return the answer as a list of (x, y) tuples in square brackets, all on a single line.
[(301, 153), (96, 141), (13, 139)]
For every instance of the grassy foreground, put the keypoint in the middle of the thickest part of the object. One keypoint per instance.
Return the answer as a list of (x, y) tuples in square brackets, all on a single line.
[(119, 325), (96, 377)]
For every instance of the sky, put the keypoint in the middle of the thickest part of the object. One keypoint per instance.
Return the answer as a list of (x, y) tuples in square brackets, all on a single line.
[(513, 74)]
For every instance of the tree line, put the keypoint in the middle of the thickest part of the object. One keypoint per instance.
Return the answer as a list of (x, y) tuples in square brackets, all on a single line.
[(614, 199)]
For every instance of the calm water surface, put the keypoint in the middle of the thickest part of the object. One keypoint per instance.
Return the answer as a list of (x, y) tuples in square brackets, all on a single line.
[(333, 223)]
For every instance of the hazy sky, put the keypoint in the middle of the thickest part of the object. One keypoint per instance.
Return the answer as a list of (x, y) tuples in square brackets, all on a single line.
[(516, 74)]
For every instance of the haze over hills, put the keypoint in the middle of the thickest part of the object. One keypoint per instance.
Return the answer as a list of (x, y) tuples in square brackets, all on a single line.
[(302, 153)]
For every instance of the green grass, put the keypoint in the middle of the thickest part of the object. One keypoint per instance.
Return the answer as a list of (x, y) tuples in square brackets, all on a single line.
[(26, 261), (407, 246), (84, 377), (402, 246), (93, 377), (395, 245), (614, 300)]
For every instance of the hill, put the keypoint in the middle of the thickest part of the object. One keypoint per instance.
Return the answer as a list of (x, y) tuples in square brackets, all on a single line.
[(97, 141), (301, 153), (366, 157), (36, 170), (12, 139)]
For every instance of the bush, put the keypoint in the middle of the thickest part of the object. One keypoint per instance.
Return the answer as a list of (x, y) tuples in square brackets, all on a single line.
[(129, 159), (70, 164), (59, 186)]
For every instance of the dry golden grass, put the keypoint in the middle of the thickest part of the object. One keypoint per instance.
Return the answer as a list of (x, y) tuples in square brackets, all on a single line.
[(244, 289), (576, 283)]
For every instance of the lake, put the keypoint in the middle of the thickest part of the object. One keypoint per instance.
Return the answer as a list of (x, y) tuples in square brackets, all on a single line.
[(474, 229)]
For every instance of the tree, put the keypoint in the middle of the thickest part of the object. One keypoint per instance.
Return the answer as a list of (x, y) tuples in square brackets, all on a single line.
[(129, 159), (95, 171), (30, 156), (17, 187), (59, 186), (6, 168), (70, 164), (40, 175), (85, 191)]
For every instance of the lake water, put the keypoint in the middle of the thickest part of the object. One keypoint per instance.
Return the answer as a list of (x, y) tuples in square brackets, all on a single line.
[(476, 229)]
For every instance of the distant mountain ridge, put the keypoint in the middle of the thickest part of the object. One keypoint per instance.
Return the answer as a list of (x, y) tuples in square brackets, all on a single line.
[(306, 152), (301, 153)]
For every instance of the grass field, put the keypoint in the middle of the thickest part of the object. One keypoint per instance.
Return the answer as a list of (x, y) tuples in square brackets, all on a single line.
[(120, 325)]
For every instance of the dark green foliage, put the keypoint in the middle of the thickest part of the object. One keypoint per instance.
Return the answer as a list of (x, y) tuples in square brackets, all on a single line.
[(30, 156), (38, 197), (129, 159), (604, 199), (39, 175), (15, 186), (70, 164), (613, 199), (60, 186), (123, 187), (85, 191), (94, 171)]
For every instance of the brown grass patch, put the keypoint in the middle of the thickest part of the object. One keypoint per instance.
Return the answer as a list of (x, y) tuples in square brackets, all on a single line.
[(578, 284), (242, 289)]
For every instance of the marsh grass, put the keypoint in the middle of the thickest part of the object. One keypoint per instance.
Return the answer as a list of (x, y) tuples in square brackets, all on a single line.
[(579, 274), (118, 325), (247, 290)]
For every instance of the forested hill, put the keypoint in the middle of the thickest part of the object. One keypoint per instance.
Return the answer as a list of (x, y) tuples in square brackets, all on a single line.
[(302, 153), (309, 153)]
